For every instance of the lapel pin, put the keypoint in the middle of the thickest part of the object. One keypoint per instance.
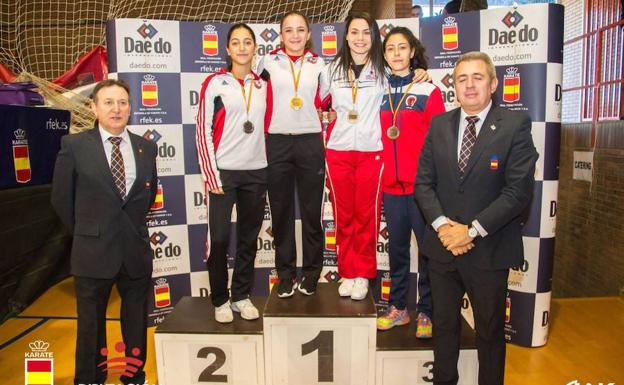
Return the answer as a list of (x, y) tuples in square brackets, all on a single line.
[(140, 150), (493, 127), (147, 184)]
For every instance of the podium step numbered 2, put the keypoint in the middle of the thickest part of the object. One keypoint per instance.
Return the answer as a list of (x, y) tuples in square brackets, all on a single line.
[(301, 340)]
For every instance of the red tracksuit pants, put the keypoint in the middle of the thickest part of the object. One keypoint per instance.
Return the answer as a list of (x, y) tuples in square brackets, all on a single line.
[(354, 179)]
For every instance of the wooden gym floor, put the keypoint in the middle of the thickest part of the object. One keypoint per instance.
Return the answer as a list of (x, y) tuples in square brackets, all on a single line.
[(586, 342)]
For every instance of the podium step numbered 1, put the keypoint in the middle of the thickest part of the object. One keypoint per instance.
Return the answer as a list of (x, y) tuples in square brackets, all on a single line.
[(302, 340)]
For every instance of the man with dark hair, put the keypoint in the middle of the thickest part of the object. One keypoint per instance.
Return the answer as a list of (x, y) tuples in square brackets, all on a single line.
[(475, 177), (417, 11), (104, 184)]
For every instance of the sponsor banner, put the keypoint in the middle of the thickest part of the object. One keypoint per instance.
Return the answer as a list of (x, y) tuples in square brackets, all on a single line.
[(151, 99), (538, 132), (532, 214), (262, 281), (515, 35), (265, 245), (171, 250), (519, 309), (548, 221), (446, 38), (541, 319), (326, 39), (165, 293), (383, 246), (267, 39), (524, 278), (521, 88), (329, 274), (146, 45), (330, 249), (196, 200), (466, 310), (554, 75), (381, 294), (198, 248), (203, 46), (555, 33), (168, 139), (191, 160), (190, 86), (170, 208), (200, 284), (546, 262), (386, 25), (552, 143), (443, 79)]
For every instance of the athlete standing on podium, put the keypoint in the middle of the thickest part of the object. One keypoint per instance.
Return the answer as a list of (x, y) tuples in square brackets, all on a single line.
[(295, 153), (355, 81), (232, 158)]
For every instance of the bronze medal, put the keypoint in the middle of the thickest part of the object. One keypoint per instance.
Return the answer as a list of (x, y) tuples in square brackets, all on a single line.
[(352, 117), (248, 127), (393, 132), (296, 103)]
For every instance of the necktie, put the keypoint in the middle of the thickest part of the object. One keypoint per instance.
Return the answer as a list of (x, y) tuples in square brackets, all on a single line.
[(468, 141), (117, 166)]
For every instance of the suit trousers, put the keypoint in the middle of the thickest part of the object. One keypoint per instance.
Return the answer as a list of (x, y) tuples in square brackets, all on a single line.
[(246, 189), (487, 290), (354, 179), (92, 296), (404, 217), (296, 160)]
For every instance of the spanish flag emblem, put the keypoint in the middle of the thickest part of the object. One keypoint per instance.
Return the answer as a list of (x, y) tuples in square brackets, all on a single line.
[(210, 41), (385, 287), (39, 372), (450, 37), (330, 239), (21, 160), (329, 45), (162, 294), (149, 91)]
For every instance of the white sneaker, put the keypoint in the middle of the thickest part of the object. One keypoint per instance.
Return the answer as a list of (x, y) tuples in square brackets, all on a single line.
[(246, 308), (360, 289), (346, 287), (223, 313)]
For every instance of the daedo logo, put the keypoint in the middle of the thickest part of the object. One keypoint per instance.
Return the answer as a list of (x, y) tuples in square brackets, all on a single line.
[(210, 40), (511, 20), (268, 36), (450, 34), (21, 157), (39, 364), (448, 92), (146, 44), (169, 250), (329, 41), (165, 150), (385, 29), (511, 85)]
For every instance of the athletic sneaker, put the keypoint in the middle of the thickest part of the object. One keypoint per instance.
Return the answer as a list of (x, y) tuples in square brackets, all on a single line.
[(360, 289), (247, 309), (346, 287), (424, 329), (307, 285), (223, 313), (286, 288), (393, 317)]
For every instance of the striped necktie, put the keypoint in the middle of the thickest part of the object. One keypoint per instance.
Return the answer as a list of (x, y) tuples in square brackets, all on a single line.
[(468, 141)]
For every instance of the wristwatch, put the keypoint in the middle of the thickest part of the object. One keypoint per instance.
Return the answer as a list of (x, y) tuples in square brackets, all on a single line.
[(472, 232)]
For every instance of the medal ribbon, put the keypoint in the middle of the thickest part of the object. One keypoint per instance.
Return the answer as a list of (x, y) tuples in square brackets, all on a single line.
[(353, 82), (396, 112), (246, 98), (292, 72)]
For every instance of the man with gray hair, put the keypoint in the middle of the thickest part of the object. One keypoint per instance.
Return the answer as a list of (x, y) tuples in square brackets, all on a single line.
[(475, 177)]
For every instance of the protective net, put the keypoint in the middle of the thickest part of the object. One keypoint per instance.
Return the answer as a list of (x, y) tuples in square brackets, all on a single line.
[(42, 39)]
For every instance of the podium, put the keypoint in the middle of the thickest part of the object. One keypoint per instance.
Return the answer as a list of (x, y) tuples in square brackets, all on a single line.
[(301, 340)]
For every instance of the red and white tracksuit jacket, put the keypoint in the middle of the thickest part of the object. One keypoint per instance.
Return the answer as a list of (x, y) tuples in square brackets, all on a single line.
[(281, 118), (422, 102), (354, 168), (221, 142)]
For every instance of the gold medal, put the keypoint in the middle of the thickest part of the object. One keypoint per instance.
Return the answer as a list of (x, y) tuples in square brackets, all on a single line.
[(296, 103), (352, 116), (393, 132), (248, 127)]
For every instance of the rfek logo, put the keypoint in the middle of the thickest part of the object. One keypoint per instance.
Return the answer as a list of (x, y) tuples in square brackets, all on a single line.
[(21, 157), (122, 365), (159, 201), (210, 40), (450, 34), (162, 293), (330, 237), (386, 283), (39, 364), (329, 41), (149, 91), (511, 85), (507, 309), (273, 279)]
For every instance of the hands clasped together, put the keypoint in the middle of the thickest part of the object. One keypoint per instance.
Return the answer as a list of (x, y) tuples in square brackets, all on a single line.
[(454, 237)]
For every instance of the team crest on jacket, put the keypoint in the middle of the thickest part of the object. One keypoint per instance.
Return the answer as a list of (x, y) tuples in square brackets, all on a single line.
[(410, 100), (258, 84), (312, 59)]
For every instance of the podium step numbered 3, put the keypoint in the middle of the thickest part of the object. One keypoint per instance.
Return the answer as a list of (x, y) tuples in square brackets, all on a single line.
[(301, 340)]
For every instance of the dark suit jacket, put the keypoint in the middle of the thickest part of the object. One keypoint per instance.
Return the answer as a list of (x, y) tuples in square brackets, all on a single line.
[(107, 231), (493, 195)]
